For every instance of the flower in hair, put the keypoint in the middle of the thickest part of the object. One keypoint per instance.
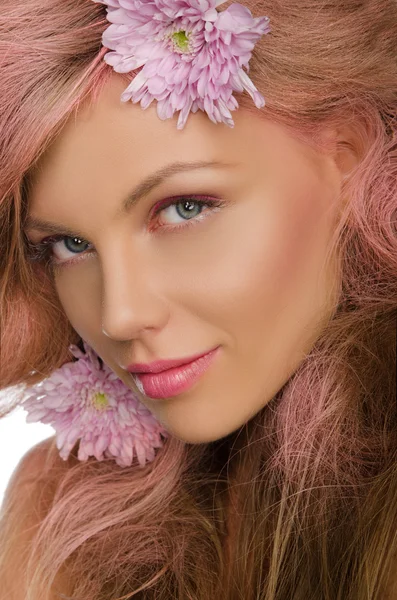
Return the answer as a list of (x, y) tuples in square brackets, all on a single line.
[(85, 402), (192, 56)]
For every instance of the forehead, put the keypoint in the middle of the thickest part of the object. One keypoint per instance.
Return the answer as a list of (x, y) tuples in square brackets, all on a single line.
[(108, 145), (112, 132)]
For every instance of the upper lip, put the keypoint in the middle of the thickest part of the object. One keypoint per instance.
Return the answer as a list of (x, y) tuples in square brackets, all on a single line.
[(163, 365)]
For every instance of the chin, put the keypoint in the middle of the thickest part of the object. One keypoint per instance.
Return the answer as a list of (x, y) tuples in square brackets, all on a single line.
[(205, 435)]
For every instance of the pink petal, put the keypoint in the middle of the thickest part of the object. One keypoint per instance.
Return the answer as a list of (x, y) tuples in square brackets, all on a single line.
[(183, 115), (127, 451), (35, 415), (162, 109), (100, 446), (61, 437), (156, 85), (203, 82), (146, 100), (224, 75), (137, 83), (141, 453), (194, 74)]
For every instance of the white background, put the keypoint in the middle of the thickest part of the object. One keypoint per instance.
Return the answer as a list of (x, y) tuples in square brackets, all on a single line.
[(16, 437)]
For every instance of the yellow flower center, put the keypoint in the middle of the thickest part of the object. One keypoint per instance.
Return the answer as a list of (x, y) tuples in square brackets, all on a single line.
[(181, 40), (100, 401)]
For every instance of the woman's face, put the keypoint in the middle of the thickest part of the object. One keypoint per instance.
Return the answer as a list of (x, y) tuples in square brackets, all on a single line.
[(247, 274)]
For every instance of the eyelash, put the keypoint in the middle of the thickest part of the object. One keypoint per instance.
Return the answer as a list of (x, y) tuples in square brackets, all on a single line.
[(41, 252)]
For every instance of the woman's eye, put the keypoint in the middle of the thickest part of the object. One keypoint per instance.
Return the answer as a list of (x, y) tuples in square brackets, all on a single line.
[(179, 211), (68, 245), (168, 215), (56, 250)]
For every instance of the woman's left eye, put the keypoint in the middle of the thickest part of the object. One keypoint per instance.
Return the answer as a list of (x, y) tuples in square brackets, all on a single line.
[(186, 208), (180, 213)]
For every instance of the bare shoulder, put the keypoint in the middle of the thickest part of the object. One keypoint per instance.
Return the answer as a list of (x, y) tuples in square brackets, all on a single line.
[(23, 509), (30, 467)]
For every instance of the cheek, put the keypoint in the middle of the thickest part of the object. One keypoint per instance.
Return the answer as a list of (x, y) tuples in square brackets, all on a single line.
[(263, 285), (79, 293), (262, 257)]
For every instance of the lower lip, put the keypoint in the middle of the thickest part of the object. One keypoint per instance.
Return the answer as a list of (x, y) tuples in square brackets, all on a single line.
[(173, 381)]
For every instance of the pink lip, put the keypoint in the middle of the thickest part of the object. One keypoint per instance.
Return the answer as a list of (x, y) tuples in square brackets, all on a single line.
[(175, 380), (162, 365)]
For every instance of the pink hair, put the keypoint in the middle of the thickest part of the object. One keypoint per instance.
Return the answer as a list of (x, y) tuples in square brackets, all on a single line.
[(307, 488)]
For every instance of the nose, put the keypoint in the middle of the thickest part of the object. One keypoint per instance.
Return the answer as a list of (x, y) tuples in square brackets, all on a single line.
[(131, 300)]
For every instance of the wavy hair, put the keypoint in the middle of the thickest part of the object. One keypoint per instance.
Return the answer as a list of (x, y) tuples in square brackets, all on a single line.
[(300, 502)]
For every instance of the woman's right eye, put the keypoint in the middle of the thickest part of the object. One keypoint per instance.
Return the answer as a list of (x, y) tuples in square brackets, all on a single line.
[(73, 245), (44, 251)]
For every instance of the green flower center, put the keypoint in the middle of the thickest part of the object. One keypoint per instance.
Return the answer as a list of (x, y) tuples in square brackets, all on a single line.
[(100, 401), (181, 40)]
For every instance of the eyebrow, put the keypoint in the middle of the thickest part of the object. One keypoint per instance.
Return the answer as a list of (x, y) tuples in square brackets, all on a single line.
[(141, 190)]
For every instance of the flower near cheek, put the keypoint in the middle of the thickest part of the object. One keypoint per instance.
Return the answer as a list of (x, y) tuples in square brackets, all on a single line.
[(85, 402), (192, 56)]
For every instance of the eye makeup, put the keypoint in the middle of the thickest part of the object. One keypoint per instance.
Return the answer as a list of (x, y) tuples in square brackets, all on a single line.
[(43, 252)]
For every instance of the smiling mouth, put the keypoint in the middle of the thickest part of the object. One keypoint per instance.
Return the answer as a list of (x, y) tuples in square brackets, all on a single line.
[(176, 380)]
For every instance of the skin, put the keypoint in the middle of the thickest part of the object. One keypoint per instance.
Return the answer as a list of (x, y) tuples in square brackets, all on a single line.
[(253, 277)]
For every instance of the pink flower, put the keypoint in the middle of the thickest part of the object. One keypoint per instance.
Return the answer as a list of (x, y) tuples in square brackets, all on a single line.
[(192, 55), (84, 402)]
